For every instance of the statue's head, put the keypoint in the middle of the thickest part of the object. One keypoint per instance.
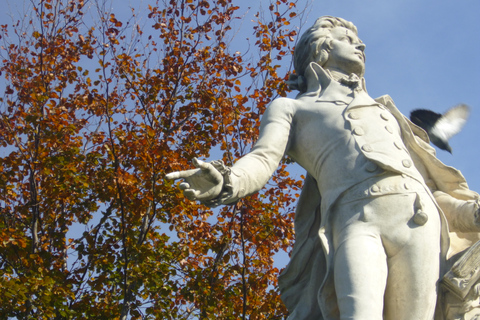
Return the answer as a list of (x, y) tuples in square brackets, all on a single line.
[(332, 43)]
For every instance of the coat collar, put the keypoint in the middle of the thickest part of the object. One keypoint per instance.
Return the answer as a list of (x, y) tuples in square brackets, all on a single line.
[(322, 85), (318, 79)]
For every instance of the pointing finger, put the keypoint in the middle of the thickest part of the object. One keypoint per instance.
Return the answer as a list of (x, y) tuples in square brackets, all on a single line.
[(181, 174)]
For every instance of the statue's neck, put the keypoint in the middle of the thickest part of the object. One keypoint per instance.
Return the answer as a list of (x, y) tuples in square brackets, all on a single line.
[(336, 74), (319, 78)]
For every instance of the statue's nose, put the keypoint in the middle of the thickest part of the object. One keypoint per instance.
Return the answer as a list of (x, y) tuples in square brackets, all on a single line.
[(361, 46)]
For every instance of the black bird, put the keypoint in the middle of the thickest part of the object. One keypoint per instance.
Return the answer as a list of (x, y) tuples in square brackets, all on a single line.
[(441, 127)]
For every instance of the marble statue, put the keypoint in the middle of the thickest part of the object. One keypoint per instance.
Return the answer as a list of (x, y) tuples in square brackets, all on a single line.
[(373, 220)]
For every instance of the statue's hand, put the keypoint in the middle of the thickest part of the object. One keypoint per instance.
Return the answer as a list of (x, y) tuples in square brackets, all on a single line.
[(203, 183)]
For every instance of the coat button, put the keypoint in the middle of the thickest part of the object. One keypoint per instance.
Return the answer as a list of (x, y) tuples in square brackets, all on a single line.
[(353, 115), (407, 163), (367, 148), (384, 116), (398, 145), (371, 167), (375, 188), (358, 131), (420, 218)]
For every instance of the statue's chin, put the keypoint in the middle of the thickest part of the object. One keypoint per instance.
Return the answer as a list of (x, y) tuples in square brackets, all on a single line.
[(354, 67)]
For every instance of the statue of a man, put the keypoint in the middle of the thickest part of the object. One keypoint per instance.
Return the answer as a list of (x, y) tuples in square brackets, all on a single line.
[(371, 223)]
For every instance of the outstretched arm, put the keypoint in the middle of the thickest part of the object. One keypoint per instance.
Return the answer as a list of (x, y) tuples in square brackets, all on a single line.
[(213, 186), (252, 172)]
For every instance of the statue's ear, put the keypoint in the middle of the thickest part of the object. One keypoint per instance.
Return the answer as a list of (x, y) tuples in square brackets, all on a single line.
[(316, 77)]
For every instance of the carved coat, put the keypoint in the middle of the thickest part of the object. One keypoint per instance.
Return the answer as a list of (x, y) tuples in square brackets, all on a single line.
[(321, 131)]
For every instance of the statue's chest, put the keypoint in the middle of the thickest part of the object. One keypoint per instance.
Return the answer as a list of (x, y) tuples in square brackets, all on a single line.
[(321, 121), (326, 122)]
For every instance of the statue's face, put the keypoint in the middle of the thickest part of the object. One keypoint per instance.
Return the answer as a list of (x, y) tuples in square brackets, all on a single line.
[(347, 52)]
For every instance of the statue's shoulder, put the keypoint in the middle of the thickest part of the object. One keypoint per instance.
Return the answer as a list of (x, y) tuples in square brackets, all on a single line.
[(283, 106)]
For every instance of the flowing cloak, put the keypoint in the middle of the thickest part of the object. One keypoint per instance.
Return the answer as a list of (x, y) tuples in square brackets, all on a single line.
[(306, 284)]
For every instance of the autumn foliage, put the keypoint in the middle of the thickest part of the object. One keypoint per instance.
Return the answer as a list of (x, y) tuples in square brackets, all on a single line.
[(97, 105)]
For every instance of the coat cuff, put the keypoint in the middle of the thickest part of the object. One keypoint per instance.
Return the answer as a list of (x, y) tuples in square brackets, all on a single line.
[(227, 190)]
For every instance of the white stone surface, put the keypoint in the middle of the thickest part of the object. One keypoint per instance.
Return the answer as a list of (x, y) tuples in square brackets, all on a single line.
[(371, 224)]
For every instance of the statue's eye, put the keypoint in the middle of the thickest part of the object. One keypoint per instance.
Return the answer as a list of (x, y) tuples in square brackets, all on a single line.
[(346, 39)]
